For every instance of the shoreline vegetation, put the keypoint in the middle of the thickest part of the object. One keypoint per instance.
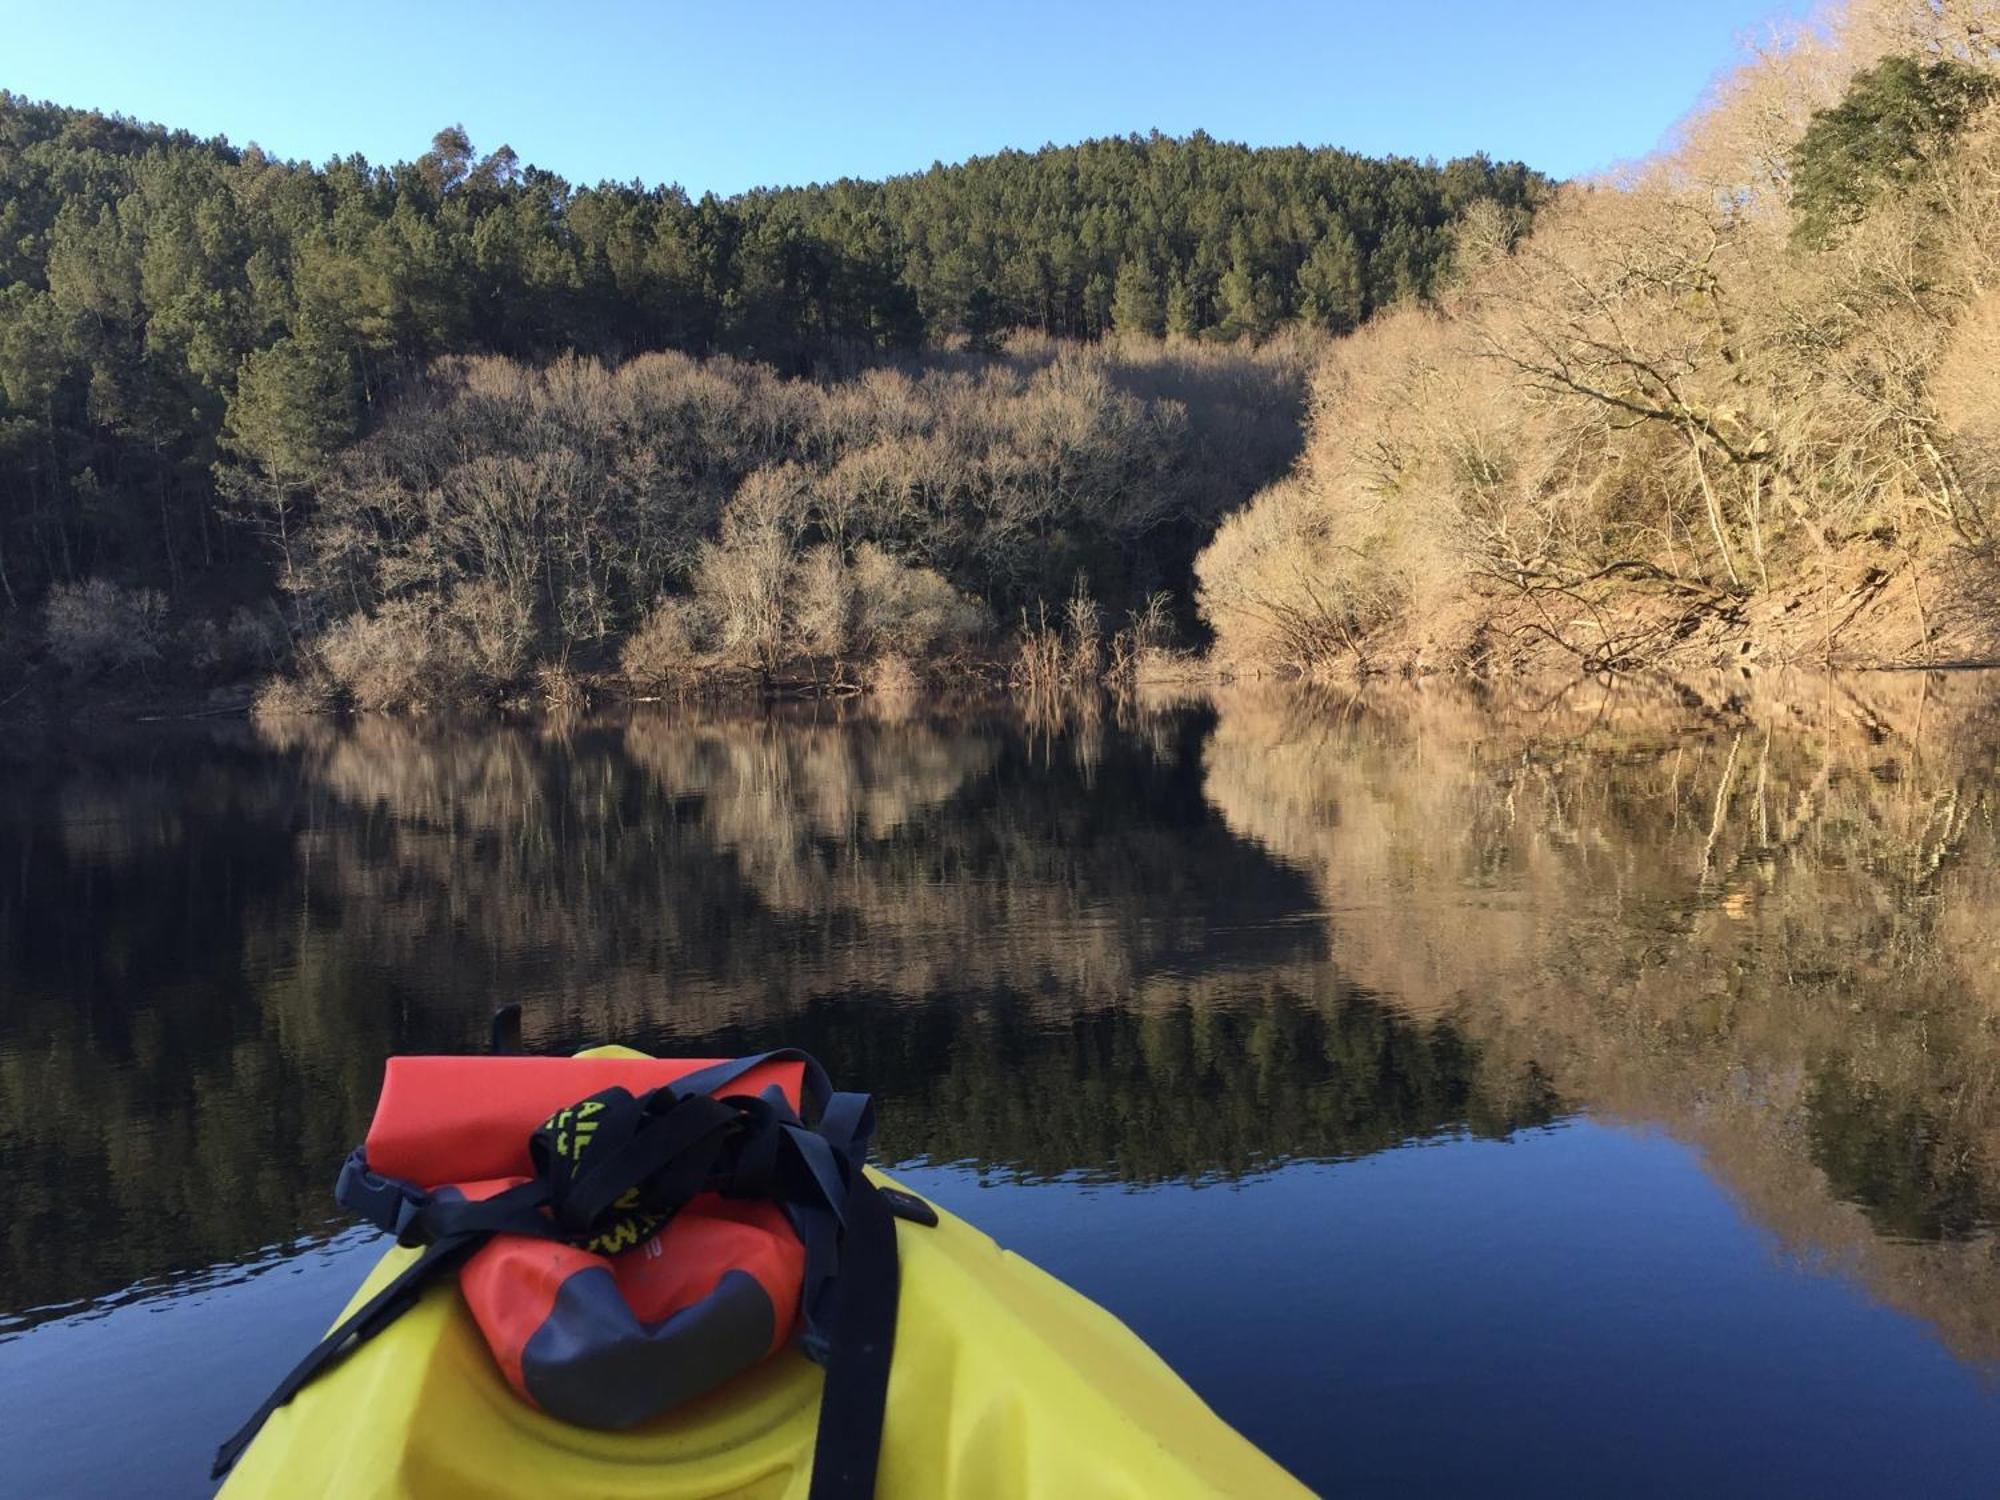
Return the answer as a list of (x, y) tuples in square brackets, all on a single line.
[(456, 430), (1736, 404), (457, 433)]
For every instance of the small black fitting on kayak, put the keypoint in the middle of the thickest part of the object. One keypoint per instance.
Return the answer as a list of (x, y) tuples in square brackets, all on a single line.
[(909, 1206)]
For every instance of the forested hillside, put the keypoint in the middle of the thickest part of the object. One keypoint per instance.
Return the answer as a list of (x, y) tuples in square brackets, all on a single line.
[(189, 331), (1155, 234), (1739, 403)]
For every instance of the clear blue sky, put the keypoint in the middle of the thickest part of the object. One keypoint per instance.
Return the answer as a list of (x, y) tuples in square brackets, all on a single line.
[(730, 94)]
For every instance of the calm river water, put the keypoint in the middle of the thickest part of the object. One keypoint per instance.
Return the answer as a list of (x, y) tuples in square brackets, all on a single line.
[(1571, 1093)]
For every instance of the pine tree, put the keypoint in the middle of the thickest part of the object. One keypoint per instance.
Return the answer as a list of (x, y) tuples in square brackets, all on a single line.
[(444, 166), (1894, 121), (1183, 316), (1135, 301), (984, 320), (292, 408), (1247, 302), (1333, 287), (1096, 304)]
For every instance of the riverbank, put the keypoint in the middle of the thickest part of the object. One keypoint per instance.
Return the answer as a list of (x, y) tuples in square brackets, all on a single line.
[(1857, 622), (1863, 607), (36, 693)]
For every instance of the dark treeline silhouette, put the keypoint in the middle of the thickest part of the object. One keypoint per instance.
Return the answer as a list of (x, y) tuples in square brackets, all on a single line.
[(178, 315)]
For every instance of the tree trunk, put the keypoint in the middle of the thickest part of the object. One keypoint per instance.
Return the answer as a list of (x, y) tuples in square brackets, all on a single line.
[(1714, 511), (167, 536), (1757, 529)]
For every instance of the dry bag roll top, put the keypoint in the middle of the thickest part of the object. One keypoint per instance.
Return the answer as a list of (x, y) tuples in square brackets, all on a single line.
[(651, 1315)]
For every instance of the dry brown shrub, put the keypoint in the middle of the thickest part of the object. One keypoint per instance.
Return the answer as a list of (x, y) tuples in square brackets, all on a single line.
[(560, 689), (1165, 666), (663, 648), (95, 626), (1083, 634), (824, 603), (892, 678), (411, 655), (387, 660), (1060, 652), (1148, 632), (293, 696), (1041, 658), (740, 586), (490, 629), (909, 610)]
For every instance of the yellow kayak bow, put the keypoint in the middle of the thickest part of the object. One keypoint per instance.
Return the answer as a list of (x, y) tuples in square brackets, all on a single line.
[(1005, 1383)]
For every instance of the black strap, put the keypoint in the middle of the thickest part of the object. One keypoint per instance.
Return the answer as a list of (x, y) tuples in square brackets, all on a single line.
[(517, 1210), (670, 1150), (815, 1088), (370, 1319), (848, 1445)]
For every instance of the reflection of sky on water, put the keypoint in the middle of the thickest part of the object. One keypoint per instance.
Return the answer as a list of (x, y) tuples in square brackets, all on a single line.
[(1579, 1310)]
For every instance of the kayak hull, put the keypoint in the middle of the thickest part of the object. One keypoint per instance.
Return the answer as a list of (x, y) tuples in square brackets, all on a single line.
[(1005, 1382)]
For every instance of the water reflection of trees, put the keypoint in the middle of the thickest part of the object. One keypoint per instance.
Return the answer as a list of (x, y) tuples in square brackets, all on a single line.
[(149, 1120), (1046, 951), (1771, 925), (1187, 943), (678, 870), (1205, 1078)]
